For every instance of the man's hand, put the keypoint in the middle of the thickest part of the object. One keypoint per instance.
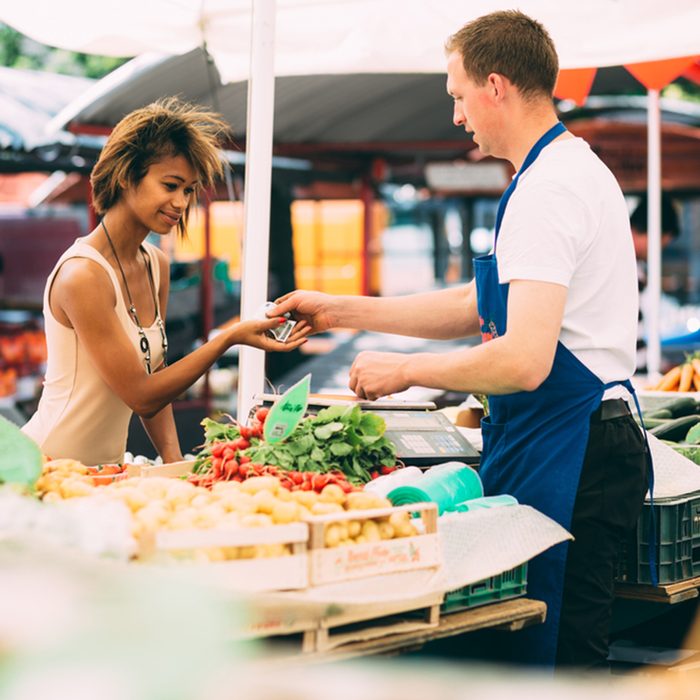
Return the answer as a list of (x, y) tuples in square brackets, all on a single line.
[(313, 308), (254, 333), (375, 374)]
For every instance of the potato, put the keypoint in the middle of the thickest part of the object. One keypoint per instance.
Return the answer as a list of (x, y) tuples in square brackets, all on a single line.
[(180, 492), (363, 500), (332, 535), (133, 498), (264, 501), (256, 520), (230, 553), (239, 502), (155, 487), (284, 494), (261, 483), (249, 552), (210, 516), (285, 512), (332, 494), (201, 500), (354, 528), (401, 522), (386, 531), (224, 487), (215, 553), (370, 531), (305, 498), (325, 508)]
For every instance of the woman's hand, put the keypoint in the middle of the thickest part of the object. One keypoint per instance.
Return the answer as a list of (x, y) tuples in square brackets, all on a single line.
[(254, 333), (313, 308)]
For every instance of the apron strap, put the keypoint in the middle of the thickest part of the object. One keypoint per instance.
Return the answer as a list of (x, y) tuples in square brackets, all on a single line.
[(557, 130), (650, 476)]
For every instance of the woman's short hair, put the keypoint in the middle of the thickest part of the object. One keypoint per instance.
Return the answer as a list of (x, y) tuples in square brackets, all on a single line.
[(166, 128), (512, 44)]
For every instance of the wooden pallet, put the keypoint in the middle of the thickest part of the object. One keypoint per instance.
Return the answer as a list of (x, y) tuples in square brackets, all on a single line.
[(366, 623), (670, 593)]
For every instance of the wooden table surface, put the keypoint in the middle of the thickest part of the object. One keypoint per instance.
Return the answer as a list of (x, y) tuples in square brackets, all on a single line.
[(669, 593), (509, 615)]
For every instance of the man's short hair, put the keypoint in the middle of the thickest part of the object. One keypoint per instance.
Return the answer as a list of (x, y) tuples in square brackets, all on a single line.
[(669, 216), (512, 44)]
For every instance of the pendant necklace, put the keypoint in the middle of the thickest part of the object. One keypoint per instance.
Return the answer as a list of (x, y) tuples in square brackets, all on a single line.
[(143, 342)]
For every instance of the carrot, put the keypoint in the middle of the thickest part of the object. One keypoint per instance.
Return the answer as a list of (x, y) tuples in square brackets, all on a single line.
[(686, 379), (696, 381), (696, 365), (670, 380)]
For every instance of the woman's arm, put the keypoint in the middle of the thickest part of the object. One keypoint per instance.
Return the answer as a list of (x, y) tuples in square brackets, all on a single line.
[(86, 296)]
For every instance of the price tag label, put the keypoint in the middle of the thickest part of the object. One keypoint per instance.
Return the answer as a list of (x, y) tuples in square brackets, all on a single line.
[(287, 411)]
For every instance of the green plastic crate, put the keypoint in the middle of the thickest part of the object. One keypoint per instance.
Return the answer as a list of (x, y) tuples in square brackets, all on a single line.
[(677, 542), (509, 584)]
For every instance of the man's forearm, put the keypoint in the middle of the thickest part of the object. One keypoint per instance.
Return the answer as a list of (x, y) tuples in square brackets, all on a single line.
[(491, 368), (445, 314)]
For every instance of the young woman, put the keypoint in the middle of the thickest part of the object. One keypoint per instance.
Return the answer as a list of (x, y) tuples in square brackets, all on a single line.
[(105, 301)]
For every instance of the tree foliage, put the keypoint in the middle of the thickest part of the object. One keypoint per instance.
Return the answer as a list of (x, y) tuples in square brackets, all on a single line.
[(19, 51)]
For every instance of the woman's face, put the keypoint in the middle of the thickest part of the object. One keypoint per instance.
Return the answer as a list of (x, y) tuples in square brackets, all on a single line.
[(161, 198)]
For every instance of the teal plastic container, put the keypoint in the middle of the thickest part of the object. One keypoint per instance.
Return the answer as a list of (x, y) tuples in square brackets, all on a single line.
[(487, 502), (448, 486)]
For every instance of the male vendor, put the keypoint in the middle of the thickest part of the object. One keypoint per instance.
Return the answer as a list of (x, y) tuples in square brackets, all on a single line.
[(556, 306)]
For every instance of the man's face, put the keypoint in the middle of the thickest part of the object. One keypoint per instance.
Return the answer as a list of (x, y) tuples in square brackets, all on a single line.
[(472, 104)]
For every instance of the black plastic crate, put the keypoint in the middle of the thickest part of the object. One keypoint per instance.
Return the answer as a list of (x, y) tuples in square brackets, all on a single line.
[(677, 542), (509, 584)]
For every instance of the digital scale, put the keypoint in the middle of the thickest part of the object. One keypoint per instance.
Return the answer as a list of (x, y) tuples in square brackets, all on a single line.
[(424, 438), (422, 435)]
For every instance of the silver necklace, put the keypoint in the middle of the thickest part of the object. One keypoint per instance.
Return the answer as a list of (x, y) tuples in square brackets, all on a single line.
[(143, 342)]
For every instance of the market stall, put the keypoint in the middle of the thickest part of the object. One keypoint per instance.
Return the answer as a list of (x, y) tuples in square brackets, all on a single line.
[(309, 518)]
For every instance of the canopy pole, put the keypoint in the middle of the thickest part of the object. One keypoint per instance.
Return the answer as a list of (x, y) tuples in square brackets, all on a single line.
[(653, 231), (256, 204)]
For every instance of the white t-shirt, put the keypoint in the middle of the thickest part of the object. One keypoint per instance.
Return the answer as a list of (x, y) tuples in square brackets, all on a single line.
[(567, 223)]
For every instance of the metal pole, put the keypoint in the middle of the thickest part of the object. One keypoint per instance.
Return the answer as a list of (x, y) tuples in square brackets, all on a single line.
[(256, 232), (207, 296), (653, 231), (367, 195)]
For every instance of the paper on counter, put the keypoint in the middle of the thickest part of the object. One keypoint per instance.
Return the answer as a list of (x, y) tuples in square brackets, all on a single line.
[(674, 474), (483, 543)]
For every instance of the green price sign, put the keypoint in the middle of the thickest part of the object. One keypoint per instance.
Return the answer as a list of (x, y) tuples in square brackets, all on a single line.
[(287, 411)]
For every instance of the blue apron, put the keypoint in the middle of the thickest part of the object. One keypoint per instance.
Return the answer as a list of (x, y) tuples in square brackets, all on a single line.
[(535, 441)]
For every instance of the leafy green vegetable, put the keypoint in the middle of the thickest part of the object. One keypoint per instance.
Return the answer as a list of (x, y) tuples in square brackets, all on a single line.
[(340, 438)]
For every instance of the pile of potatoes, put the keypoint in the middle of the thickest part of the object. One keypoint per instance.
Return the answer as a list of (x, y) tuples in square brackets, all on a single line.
[(161, 503), (64, 478)]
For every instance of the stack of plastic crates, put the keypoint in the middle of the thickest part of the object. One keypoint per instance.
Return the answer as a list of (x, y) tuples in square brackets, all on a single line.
[(677, 542), (509, 584)]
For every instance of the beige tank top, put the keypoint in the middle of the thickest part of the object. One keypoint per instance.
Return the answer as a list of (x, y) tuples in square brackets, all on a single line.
[(79, 416)]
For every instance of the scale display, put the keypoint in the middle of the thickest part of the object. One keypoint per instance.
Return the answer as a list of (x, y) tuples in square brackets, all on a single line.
[(423, 438)]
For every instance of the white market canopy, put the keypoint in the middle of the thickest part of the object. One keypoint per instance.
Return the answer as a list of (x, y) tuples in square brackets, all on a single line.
[(355, 36), (260, 39)]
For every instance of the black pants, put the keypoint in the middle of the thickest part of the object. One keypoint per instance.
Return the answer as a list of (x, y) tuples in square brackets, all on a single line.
[(608, 503)]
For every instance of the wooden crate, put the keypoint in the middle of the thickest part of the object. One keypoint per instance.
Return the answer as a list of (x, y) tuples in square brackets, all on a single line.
[(171, 469), (260, 574), (344, 563)]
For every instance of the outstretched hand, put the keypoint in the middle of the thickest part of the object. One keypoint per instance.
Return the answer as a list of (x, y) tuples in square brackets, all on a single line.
[(310, 308), (254, 333)]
